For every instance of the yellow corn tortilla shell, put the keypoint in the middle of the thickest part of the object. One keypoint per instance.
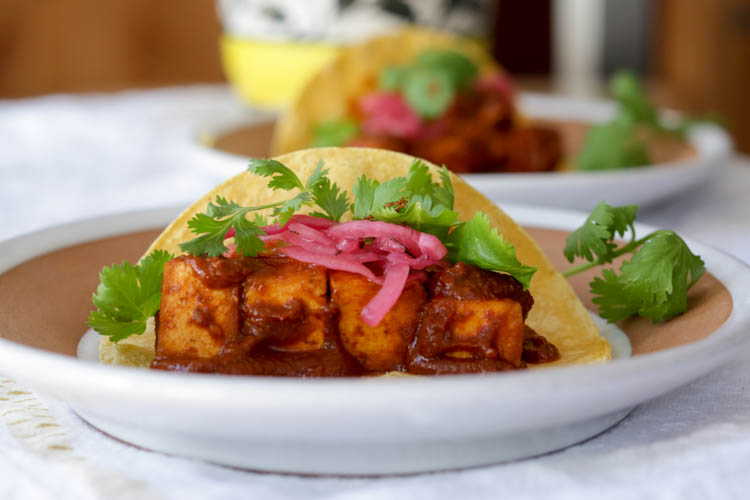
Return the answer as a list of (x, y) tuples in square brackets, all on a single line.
[(330, 94), (557, 313)]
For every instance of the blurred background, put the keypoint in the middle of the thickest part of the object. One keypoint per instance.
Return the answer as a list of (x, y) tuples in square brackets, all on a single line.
[(694, 55)]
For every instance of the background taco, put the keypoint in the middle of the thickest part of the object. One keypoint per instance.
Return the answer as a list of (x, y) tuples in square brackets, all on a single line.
[(425, 93), (557, 313)]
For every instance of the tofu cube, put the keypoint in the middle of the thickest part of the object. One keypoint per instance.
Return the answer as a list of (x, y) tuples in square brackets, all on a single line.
[(194, 320), (481, 324), (285, 306), (383, 347)]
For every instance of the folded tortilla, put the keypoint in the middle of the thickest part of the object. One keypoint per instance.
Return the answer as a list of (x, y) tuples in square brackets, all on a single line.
[(557, 313)]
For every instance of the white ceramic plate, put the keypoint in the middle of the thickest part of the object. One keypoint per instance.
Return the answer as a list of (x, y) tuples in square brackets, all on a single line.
[(360, 426), (579, 190)]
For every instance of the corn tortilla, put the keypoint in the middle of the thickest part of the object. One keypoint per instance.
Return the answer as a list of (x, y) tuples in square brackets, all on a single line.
[(557, 313)]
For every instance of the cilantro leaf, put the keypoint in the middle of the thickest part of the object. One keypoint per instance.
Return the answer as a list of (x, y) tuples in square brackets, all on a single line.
[(430, 83), (429, 91), (334, 133), (623, 218), (330, 199), (653, 284), (222, 207), (286, 209), (632, 98), (422, 215), (444, 193), (260, 220), (318, 174), (460, 69), (590, 240), (282, 176), (620, 142), (475, 242), (612, 145), (609, 295), (364, 196), (419, 182), (213, 226), (371, 196), (127, 296), (391, 191)]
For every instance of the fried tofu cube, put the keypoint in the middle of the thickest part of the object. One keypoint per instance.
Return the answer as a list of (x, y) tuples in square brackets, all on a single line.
[(383, 347), (484, 326), (285, 305), (194, 319)]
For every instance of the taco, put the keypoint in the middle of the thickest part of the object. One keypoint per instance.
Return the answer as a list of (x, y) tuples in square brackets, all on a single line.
[(372, 262), (424, 93)]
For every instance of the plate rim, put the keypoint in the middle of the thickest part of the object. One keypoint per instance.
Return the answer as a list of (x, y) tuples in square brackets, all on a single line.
[(196, 389)]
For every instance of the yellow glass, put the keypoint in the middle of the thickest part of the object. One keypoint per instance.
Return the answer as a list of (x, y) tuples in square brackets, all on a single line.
[(269, 75)]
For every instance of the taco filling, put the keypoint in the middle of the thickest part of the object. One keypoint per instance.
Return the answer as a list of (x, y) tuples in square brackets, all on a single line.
[(397, 277), (333, 304)]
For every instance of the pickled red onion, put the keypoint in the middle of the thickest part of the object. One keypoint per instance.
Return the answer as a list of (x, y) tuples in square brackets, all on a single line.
[(311, 234), (395, 254), (310, 246), (348, 245), (331, 262), (388, 114), (393, 284)]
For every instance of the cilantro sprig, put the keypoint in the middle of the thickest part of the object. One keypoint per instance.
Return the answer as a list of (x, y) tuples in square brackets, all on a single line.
[(222, 216), (127, 296), (477, 243), (334, 133), (652, 284), (620, 142), (430, 83)]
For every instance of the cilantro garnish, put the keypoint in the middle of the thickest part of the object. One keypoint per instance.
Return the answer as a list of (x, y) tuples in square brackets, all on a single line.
[(620, 143), (428, 91), (335, 133), (370, 196), (214, 225), (413, 200), (459, 68), (222, 216), (430, 83), (330, 199), (127, 296), (281, 176), (477, 243), (652, 284), (613, 145)]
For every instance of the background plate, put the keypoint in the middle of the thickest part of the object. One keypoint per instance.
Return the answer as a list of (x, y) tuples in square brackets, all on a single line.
[(224, 153)]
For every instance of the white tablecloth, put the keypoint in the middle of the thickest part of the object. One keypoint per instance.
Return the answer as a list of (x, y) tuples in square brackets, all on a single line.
[(67, 157)]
